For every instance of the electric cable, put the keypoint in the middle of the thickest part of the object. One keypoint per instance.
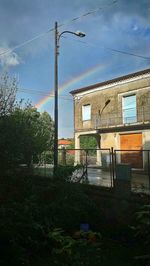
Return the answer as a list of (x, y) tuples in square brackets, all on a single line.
[(52, 29), (112, 49), (43, 94)]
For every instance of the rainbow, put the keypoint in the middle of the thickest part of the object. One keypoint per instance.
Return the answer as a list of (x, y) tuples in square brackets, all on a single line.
[(69, 83)]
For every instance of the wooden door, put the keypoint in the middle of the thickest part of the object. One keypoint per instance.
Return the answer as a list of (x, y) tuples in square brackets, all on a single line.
[(131, 142)]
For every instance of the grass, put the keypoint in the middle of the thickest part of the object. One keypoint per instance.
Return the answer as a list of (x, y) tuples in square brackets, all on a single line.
[(43, 171)]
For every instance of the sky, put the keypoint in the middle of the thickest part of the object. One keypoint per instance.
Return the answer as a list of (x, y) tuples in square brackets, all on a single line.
[(27, 47)]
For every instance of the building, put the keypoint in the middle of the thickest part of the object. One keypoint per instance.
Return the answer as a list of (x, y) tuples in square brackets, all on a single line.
[(117, 113), (64, 143)]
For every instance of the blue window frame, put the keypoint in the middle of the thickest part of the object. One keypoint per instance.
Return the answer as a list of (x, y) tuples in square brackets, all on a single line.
[(129, 109)]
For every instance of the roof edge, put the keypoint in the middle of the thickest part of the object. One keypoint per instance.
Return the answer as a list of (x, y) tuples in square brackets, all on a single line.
[(100, 84)]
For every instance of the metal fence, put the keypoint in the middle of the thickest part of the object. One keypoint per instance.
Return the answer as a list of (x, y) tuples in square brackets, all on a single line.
[(98, 166), (43, 166), (116, 118), (96, 163), (139, 160)]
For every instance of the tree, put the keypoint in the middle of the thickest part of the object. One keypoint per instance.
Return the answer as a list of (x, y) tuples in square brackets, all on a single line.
[(24, 135), (36, 132), (88, 142), (8, 90), (24, 132)]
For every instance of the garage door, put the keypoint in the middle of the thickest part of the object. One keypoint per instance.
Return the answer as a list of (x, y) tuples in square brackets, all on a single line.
[(132, 142)]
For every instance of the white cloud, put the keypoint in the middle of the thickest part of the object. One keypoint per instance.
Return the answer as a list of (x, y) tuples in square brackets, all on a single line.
[(8, 59)]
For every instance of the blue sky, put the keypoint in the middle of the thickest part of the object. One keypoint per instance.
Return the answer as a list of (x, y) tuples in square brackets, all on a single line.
[(123, 25)]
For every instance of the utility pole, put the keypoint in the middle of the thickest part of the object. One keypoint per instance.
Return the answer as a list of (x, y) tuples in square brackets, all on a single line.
[(56, 53), (56, 100)]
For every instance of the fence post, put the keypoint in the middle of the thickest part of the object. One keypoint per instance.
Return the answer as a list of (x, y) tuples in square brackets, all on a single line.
[(63, 156), (149, 167), (112, 163), (86, 163), (98, 151)]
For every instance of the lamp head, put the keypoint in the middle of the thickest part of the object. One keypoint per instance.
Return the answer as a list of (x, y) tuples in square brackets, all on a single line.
[(107, 102), (80, 34)]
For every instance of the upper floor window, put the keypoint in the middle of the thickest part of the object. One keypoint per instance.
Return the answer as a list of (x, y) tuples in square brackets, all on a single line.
[(86, 112), (129, 109)]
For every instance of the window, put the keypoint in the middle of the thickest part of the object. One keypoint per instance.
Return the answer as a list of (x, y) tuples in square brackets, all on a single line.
[(129, 109), (86, 112)]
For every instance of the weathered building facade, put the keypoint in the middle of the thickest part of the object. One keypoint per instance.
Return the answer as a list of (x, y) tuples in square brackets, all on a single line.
[(116, 112)]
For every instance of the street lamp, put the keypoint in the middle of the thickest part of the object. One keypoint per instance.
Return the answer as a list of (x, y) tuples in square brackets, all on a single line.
[(106, 103), (99, 135), (57, 38)]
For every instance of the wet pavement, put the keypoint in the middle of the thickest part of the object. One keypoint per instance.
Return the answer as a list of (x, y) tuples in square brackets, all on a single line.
[(99, 177)]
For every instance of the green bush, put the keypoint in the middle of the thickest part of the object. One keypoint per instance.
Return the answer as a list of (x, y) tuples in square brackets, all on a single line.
[(82, 249), (65, 173), (142, 225), (30, 210)]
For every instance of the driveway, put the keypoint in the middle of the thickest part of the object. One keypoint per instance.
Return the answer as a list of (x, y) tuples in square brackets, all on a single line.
[(99, 177)]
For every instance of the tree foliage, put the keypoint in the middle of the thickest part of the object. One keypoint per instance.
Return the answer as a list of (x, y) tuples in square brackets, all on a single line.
[(88, 142), (24, 132), (8, 90)]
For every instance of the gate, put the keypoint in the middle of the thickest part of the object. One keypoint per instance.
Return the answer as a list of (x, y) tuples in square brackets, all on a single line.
[(96, 164), (140, 171)]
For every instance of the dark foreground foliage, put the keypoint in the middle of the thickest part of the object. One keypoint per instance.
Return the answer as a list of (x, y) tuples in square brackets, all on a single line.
[(40, 226)]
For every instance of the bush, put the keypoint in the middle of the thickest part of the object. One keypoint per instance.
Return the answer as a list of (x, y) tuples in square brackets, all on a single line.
[(31, 209), (142, 225), (65, 173), (82, 249)]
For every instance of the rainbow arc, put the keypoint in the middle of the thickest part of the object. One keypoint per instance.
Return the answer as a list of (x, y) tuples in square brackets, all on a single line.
[(69, 83)]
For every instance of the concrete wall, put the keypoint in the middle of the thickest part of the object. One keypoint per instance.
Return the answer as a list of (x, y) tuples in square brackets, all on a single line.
[(146, 139), (108, 140)]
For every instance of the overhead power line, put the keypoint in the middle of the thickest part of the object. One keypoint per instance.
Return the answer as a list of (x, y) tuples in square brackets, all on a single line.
[(41, 92), (127, 53), (44, 94), (88, 13), (25, 43), (7, 51), (113, 50)]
